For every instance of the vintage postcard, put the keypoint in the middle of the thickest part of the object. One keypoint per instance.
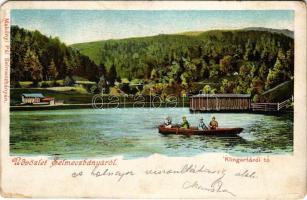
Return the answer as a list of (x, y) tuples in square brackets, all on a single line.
[(153, 99)]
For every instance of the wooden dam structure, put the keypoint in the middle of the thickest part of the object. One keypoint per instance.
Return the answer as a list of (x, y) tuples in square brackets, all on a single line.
[(232, 103), (220, 102)]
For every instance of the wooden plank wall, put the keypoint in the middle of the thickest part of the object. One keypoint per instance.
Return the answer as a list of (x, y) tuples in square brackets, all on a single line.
[(225, 103)]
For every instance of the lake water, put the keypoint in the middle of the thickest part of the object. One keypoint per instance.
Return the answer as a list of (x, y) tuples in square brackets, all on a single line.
[(132, 132)]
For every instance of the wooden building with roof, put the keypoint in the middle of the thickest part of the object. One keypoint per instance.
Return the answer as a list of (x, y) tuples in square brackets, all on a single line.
[(220, 102), (36, 99), (31, 98)]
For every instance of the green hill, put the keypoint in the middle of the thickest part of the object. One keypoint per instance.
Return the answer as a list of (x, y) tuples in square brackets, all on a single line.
[(248, 60), (36, 57), (222, 41), (251, 60)]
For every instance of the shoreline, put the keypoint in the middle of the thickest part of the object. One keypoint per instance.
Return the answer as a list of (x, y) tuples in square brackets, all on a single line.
[(134, 105), (98, 106)]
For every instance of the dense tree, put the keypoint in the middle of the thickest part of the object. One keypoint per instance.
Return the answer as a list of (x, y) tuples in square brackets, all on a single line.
[(69, 81), (153, 74), (112, 75), (226, 64), (275, 76), (102, 70), (33, 67), (239, 61), (208, 90), (227, 49), (68, 66), (227, 86), (52, 71), (35, 57), (102, 85), (248, 50)]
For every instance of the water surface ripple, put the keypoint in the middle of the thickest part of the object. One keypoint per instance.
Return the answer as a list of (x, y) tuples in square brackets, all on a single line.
[(132, 132)]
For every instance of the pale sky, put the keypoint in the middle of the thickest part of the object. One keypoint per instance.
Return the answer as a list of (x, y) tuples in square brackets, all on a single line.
[(76, 26)]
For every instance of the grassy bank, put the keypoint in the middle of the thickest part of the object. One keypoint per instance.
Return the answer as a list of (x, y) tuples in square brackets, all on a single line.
[(70, 95), (100, 106), (75, 98)]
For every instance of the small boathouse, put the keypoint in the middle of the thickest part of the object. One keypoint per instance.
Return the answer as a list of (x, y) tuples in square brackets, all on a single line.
[(36, 99), (31, 98), (220, 102)]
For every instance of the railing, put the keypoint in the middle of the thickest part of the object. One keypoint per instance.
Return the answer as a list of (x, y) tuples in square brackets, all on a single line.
[(284, 104), (270, 106), (264, 106)]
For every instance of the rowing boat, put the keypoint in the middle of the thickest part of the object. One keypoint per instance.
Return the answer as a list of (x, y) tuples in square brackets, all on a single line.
[(195, 131)]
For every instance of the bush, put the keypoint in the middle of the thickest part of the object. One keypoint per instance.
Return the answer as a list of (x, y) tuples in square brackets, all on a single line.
[(78, 78), (256, 98), (26, 84), (46, 84), (94, 89), (69, 81), (59, 83)]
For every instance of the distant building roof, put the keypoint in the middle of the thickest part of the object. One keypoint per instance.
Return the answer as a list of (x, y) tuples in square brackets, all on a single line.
[(48, 98), (33, 95), (222, 95)]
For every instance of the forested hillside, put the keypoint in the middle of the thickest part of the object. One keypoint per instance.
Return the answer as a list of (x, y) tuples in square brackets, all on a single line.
[(248, 61), (35, 57), (234, 61)]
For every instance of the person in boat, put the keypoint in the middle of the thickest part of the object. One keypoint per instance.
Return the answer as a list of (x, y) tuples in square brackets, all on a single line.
[(202, 125), (213, 123), (168, 122), (185, 123)]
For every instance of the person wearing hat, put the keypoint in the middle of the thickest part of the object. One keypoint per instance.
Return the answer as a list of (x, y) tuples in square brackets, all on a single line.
[(213, 123), (168, 122), (202, 125), (185, 123)]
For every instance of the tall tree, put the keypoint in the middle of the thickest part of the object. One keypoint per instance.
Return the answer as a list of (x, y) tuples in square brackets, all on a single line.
[(153, 74), (33, 66), (275, 75), (112, 75), (68, 66), (226, 64), (52, 72), (66, 59), (102, 70)]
